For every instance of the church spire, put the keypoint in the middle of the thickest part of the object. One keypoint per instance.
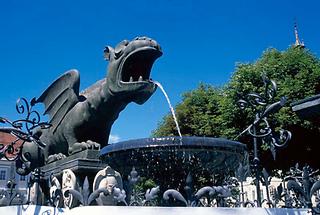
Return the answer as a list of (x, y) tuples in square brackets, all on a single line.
[(297, 43)]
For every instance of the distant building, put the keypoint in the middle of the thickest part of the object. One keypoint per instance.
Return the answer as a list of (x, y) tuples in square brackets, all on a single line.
[(250, 193), (8, 169), (8, 172), (298, 43)]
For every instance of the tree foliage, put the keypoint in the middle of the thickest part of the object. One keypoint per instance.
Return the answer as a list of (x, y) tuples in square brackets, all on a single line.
[(198, 114), (213, 112)]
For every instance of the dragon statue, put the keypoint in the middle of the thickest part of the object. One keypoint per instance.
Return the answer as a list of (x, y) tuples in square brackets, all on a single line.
[(83, 120)]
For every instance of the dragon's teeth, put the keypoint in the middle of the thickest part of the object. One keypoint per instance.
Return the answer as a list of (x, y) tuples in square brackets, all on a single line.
[(140, 78), (131, 79)]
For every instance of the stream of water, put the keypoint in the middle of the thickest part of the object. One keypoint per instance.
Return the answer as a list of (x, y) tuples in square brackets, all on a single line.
[(171, 108)]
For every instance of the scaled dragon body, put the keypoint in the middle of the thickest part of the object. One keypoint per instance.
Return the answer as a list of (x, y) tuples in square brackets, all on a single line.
[(83, 120)]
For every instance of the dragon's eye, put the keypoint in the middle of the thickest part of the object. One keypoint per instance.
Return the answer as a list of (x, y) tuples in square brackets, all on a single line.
[(119, 48)]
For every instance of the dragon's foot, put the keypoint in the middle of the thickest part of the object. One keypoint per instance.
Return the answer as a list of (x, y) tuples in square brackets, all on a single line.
[(55, 157), (77, 147)]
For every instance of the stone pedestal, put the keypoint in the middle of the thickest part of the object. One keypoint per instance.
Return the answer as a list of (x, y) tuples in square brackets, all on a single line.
[(84, 163)]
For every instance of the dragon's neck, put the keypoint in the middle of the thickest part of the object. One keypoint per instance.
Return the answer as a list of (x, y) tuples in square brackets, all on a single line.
[(104, 105)]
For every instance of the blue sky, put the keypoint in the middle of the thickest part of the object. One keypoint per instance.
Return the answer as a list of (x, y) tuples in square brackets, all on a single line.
[(202, 41)]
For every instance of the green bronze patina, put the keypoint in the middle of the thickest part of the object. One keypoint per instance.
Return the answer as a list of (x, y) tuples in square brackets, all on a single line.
[(83, 120)]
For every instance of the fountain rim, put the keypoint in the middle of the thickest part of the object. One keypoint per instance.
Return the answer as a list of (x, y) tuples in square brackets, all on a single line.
[(186, 142)]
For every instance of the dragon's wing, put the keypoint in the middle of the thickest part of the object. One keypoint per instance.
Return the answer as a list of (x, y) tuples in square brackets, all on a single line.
[(60, 97)]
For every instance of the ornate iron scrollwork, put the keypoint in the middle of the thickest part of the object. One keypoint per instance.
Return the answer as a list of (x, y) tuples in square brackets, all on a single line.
[(263, 105), (303, 188), (21, 131)]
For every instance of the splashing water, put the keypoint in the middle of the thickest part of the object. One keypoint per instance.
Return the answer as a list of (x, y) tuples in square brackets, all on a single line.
[(171, 108)]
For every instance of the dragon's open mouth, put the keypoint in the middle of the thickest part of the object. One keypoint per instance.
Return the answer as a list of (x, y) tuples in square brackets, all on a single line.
[(137, 65)]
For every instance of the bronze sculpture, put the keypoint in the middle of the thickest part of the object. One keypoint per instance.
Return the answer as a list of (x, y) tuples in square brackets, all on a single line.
[(83, 120)]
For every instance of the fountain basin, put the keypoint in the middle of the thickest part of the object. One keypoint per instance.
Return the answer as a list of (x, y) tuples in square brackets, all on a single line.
[(168, 160)]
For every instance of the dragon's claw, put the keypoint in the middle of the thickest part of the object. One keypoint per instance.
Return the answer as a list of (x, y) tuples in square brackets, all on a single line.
[(77, 147), (55, 157)]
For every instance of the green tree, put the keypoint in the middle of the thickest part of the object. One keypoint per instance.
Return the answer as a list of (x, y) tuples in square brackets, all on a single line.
[(213, 112), (198, 114)]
